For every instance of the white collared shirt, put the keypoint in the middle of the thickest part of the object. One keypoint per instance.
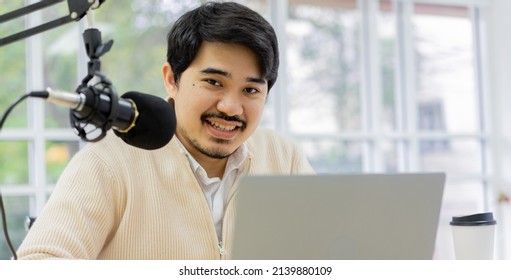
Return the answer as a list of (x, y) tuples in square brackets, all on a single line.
[(216, 190)]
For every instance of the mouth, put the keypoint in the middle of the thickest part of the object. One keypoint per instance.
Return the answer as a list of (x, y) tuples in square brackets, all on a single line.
[(223, 127)]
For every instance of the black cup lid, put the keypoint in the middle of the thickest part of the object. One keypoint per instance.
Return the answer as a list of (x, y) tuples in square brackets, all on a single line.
[(480, 219)]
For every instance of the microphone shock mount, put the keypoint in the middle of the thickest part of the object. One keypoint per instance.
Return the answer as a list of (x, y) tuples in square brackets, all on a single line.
[(92, 125)]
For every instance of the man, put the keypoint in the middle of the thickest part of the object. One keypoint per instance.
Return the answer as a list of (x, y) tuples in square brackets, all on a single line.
[(115, 201)]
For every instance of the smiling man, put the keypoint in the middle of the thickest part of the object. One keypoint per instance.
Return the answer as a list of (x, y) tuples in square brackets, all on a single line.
[(219, 101), (115, 201)]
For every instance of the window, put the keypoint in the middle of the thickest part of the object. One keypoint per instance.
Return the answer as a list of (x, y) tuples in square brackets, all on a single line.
[(35, 142), (391, 86)]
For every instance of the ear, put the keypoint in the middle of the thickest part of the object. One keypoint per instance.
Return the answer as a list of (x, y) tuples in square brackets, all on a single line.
[(168, 80)]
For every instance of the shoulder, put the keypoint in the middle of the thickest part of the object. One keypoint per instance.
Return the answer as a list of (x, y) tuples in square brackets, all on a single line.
[(271, 152), (113, 152), (264, 138)]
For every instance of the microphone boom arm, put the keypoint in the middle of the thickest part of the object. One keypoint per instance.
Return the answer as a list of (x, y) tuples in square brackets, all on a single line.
[(77, 10)]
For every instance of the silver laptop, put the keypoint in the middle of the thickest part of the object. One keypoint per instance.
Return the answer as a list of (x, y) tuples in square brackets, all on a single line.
[(362, 216)]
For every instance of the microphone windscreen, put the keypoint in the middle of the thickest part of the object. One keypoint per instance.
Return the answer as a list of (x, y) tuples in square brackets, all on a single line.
[(155, 125)]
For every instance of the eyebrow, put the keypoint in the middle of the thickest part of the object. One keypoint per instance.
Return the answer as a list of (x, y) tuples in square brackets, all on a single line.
[(211, 70)]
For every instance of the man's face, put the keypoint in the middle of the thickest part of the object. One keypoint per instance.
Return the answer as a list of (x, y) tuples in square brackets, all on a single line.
[(219, 99)]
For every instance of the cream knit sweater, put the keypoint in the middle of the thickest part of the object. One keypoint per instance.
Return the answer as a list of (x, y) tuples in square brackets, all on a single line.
[(115, 201)]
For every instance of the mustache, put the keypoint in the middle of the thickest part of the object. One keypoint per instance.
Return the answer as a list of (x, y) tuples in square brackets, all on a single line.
[(223, 116)]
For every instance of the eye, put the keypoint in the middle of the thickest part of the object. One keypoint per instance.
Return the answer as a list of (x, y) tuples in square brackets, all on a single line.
[(213, 82), (251, 90)]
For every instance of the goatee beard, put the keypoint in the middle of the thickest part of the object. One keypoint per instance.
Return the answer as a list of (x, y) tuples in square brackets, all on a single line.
[(212, 153)]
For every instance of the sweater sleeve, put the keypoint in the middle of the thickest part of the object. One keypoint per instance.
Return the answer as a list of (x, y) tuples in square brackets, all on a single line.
[(79, 217)]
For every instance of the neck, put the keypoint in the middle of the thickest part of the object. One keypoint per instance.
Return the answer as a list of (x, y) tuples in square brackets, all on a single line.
[(214, 167)]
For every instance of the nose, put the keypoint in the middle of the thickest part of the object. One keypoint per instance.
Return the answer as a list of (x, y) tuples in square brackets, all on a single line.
[(230, 104)]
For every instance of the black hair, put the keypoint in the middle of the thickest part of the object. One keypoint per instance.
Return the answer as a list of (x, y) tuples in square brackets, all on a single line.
[(226, 22)]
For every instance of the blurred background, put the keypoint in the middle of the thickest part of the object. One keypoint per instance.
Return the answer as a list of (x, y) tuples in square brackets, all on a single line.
[(365, 86)]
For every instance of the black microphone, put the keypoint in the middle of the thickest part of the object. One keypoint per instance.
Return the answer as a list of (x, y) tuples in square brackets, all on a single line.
[(141, 120)]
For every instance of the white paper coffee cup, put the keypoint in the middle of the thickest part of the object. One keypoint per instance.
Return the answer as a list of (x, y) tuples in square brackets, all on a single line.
[(474, 236)]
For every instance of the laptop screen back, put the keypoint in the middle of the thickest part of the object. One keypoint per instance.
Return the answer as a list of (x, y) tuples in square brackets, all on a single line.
[(362, 216)]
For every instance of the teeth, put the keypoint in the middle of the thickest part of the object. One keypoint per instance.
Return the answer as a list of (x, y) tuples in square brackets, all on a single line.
[(223, 127)]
